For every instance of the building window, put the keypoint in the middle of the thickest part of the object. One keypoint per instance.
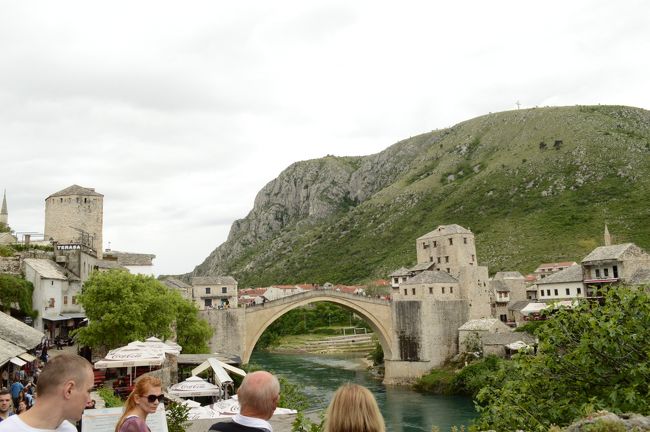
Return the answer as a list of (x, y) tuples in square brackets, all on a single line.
[(438, 260), (413, 291), (541, 293), (555, 291), (207, 290), (65, 300), (465, 240), (208, 302), (395, 280), (447, 259), (448, 270), (473, 258), (224, 290), (579, 291), (74, 299), (503, 318), (430, 290), (435, 243), (615, 271), (568, 291), (443, 290), (430, 259), (51, 302), (451, 242), (424, 245), (548, 292), (403, 278), (597, 273), (451, 290), (606, 272), (51, 282), (405, 291)]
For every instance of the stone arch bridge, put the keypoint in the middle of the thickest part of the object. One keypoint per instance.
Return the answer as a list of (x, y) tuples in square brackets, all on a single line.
[(408, 352)]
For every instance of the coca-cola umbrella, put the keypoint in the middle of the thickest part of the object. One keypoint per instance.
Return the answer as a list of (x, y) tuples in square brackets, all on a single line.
[(194, 386), (131, 356)]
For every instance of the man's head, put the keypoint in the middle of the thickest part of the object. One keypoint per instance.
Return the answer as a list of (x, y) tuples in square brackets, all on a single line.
[(5, 402), (67, 378), (259, 394)]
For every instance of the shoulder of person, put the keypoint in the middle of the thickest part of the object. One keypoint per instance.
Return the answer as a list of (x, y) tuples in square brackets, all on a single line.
[(66, 426), (134, 424)]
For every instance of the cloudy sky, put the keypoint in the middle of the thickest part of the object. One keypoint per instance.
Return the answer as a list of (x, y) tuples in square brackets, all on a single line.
[(179, 112)]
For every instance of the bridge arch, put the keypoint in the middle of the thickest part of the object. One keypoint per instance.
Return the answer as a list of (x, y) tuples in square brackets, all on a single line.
[(376, 312)]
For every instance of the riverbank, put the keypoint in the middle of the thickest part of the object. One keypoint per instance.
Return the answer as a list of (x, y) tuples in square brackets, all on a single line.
[(360, 344)]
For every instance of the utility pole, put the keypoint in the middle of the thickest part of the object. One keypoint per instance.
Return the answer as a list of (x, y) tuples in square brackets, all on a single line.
[(518, 104)]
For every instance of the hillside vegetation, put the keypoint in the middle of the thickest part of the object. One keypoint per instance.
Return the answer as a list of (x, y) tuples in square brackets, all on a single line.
[(534, 185)]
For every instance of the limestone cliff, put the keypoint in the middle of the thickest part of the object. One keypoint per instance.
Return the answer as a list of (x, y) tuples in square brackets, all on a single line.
[(310, 191), (535, 185)]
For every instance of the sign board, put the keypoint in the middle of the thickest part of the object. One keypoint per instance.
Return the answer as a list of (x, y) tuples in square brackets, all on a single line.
[(105, 419)]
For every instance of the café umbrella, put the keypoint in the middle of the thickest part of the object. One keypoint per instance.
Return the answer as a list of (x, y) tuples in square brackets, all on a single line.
[(194, 386), (131, 356)]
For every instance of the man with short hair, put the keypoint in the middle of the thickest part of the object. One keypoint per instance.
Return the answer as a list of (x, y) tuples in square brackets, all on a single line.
[(63, 390), (258, 397), (5, 404)]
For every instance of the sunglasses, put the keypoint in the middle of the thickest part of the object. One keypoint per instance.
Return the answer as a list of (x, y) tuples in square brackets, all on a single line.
[(153, 398)]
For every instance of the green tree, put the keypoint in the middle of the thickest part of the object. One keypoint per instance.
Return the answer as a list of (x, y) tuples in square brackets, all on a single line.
[(590, 358), (122, 307), (192, 333), (16, 291)]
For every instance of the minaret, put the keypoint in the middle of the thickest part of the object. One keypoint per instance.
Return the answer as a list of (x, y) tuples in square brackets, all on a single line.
[(4, 215), (608, 238)]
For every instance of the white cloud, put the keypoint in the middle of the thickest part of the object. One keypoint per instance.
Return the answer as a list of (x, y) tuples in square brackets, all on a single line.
[(179, 114)]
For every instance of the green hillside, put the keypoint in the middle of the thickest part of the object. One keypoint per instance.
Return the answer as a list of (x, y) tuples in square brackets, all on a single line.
[(533, 185)]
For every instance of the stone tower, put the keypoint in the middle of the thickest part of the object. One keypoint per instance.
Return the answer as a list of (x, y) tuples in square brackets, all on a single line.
[(75, 215), (4, 215)]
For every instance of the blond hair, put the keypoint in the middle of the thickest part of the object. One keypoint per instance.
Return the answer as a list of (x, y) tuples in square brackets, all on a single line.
[(141, 387), (353, 409), (60, 369)]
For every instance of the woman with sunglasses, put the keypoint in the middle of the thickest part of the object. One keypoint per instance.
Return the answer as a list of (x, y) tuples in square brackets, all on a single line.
[(143, 400)]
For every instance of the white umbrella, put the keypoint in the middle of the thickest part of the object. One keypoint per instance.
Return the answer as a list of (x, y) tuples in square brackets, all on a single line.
[(194, 386), (157, 345), (230, 407), (131, 356)]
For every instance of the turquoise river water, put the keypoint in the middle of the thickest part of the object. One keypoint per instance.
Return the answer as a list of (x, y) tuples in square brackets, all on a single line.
[(404, 410)]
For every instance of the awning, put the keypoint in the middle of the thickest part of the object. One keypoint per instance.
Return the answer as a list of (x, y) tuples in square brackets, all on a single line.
[(516, 346), (533, 308), (18, 362), (78, 315), (27, 357), (56, 318)]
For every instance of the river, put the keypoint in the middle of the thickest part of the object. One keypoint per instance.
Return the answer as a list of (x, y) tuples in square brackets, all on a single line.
[(404, 410)]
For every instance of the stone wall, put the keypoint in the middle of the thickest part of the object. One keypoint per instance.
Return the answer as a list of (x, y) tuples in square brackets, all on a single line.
[(10, 265), (230, 330)]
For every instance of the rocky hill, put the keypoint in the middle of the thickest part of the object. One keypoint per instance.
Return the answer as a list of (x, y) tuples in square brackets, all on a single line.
[(534, 186)]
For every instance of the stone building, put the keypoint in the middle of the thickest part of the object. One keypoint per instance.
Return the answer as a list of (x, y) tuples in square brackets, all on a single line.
[(75, 215), (55, 297), (506, 288), (547, 269), (443, 291), (214, 292), (563, 285), (449, 247), (184, 289), (607, 265)]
